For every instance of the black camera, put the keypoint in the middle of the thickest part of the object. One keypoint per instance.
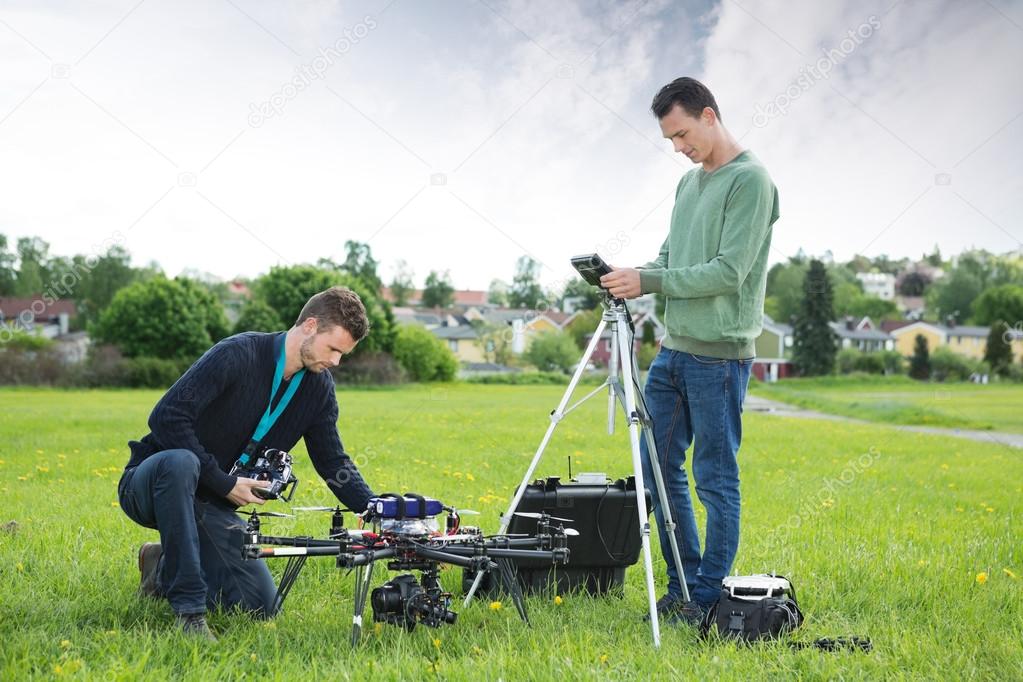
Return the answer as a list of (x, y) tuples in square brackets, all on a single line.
[(271, 465), (402, 601)]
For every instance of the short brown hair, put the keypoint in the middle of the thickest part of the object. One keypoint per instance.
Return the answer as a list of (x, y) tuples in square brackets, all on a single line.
[(337, 306)]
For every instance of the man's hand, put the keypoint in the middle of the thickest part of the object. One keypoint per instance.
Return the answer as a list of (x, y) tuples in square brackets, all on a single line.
[(241, 494), (622, 283)]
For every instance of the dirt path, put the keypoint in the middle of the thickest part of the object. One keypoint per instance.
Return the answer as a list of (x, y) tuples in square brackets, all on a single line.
[(764, 406)]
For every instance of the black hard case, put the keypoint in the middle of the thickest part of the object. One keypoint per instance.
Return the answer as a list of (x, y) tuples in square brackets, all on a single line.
[(608, 540)]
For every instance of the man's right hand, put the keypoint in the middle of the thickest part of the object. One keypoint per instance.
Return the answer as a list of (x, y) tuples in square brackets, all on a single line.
[(241, 494)]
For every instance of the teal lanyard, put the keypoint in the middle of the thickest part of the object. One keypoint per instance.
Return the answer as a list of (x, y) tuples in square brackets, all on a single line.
[(270, 416)]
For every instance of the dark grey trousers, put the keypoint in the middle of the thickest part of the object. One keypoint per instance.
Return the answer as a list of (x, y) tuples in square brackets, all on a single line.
[(202, 565)]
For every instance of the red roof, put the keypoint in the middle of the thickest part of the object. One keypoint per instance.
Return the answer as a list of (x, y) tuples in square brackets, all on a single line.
[(41, 311), (888, 326)]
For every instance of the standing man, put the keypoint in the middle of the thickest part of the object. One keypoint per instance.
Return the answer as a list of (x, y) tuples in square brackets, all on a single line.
[(248, 392), (712, 271)]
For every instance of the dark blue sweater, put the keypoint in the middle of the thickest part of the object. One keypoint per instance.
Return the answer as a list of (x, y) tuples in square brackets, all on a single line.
[(213, 410)]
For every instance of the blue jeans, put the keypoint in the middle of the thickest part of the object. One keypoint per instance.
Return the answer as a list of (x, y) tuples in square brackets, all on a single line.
[(696, 398), (202, 565)]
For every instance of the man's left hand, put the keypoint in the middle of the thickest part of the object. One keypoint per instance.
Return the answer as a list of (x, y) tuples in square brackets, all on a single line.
[(622, 283)]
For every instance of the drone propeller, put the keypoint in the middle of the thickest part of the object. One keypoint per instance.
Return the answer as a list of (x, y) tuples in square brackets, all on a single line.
[(462, 512), (253, 512), (571, 532), (540, 515), (323, 509)]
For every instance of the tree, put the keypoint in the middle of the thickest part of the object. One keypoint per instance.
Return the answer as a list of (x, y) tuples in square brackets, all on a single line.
[(423, 355), (494, 341), (785, 289), (579, 288), (583, 325), (402, 285), (8, 275), (497, 294), (257, 316), (33, 254), (920, 363), (438, 292), (552, 351), (953, 296), (359, 263), (159, 318), (1000, 303), (814, 346), (526, 291), (109, 274), (914, 284), (286, 289), (998, 353)]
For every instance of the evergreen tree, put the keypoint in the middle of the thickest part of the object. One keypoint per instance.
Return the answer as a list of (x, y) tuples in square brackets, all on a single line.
[(998, 353), (920, 363), (814, 346)]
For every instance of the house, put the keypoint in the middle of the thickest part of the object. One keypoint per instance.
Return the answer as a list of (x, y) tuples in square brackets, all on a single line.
[(862, 335), (879, 284), (462, 341), (963, 339), (41, 314), (602, 353), (773, 348), (460, 297)]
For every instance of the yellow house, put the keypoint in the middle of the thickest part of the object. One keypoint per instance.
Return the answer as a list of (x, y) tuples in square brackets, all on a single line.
[(462, 342), (965, 340), (905, 337)]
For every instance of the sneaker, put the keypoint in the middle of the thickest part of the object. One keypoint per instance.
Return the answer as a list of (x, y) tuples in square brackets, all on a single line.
[(666, 605), (686, 613), (194, 625), (149, 560)]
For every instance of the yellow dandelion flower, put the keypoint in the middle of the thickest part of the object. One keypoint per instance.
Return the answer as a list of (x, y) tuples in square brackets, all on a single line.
[(436, 643), (22, 478), (558, 600), (378, 628), (470, 477), (61, 456), (603, 659), (113, 504), (922, 562), (989, 509), (981, 578), (58, 669), (959, 509), (65, 644), (951, 485), (39, 452), (1009, 573), (495, 606), (944, 466), (20, 566), (252, 656)]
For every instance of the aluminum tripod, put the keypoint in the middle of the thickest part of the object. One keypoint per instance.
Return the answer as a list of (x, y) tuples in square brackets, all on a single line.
[(622, 380)]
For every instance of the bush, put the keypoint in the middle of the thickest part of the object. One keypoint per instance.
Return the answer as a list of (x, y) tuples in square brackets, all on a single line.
[(520, 378), (846, 360), (32, 367), (893, 361), (151, 372), (423, 355), (370, 369), (551, 351), (947, 365), (851, 360)]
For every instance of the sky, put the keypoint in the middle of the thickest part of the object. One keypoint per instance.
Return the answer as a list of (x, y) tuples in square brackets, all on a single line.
[(229, 136)]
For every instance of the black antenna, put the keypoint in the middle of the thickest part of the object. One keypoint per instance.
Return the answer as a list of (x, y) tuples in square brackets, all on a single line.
[(570, 468)]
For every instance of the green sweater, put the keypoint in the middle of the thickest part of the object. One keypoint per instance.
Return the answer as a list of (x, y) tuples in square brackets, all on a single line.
[(712, 268)]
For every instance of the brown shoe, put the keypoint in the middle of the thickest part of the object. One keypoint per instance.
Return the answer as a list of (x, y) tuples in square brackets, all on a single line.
[(149, 561), (194, 625)]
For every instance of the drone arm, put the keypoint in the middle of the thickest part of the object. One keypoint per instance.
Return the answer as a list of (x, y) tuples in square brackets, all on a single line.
[(467, 560), (361, 558)]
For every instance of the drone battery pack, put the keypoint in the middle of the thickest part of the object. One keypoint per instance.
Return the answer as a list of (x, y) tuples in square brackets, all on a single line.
[(608, 541), (387, 507)]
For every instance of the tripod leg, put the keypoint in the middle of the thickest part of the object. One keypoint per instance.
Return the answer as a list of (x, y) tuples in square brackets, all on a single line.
[(625, 348), (363, 576), (511, 584), (555, 418), (662, 497)]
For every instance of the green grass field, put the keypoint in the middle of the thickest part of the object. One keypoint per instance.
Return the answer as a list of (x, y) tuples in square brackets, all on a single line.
[(899, 400), (911, 540)]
